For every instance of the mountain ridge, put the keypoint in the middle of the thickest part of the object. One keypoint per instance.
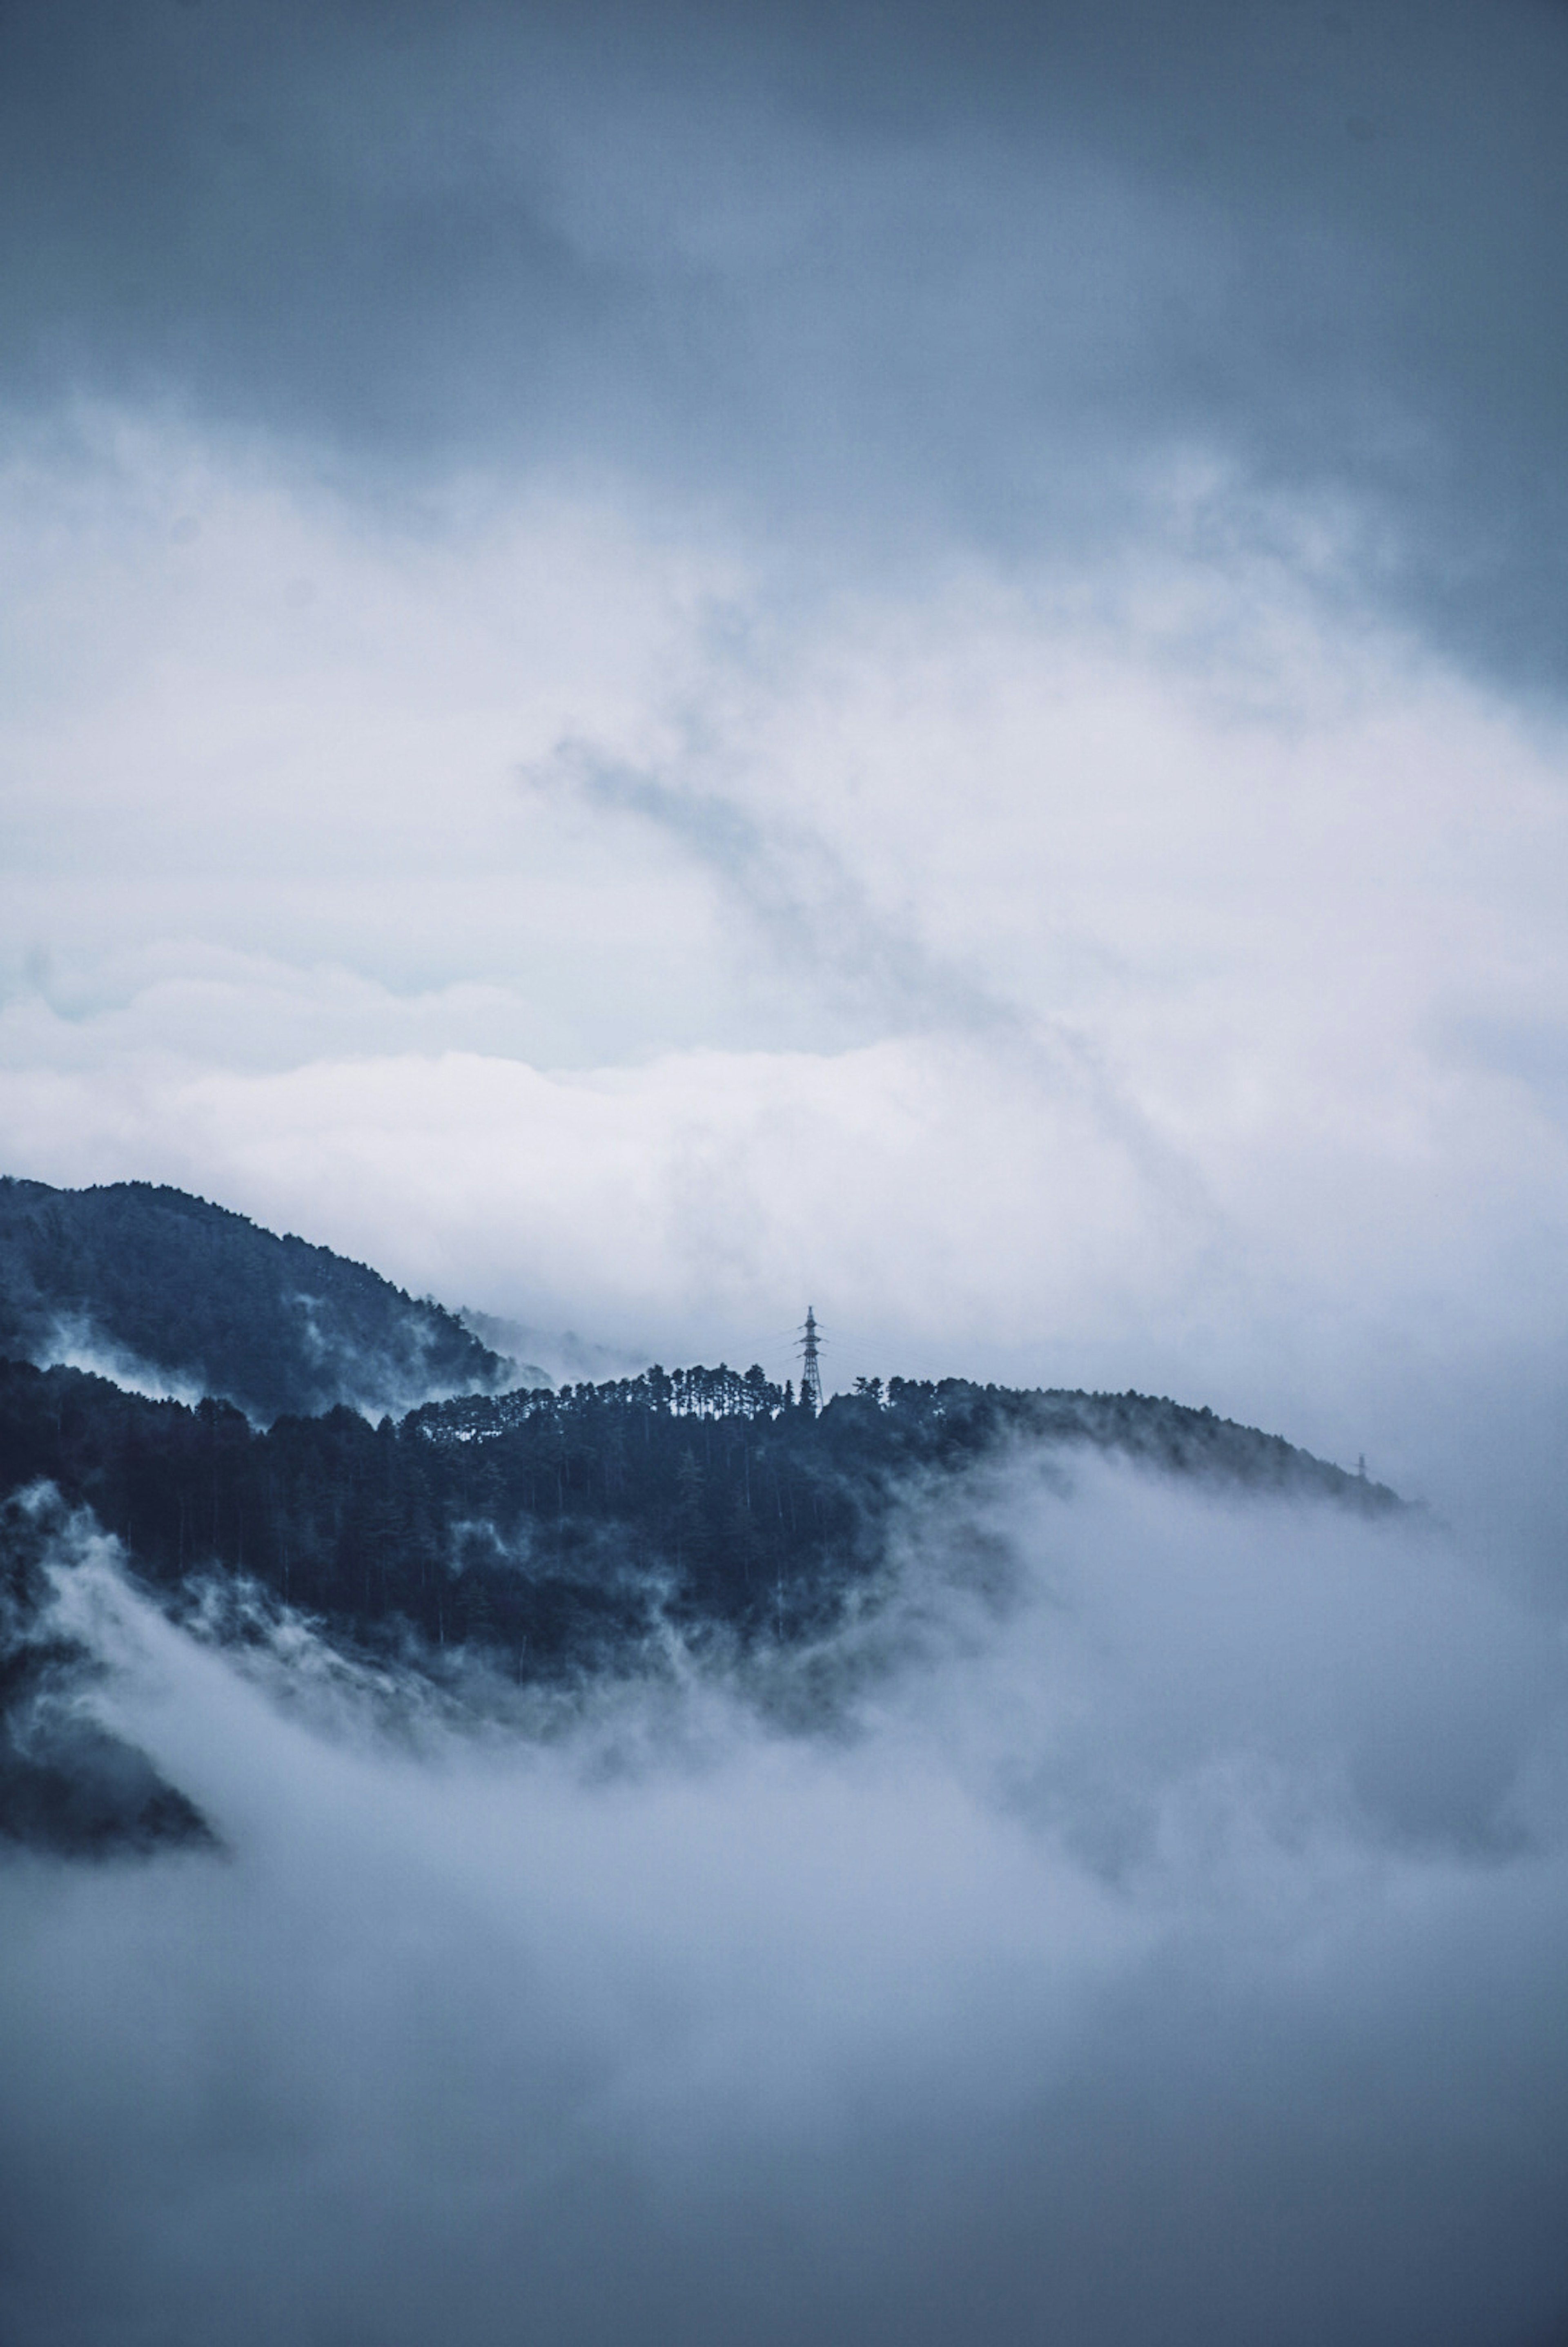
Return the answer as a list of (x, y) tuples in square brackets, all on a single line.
[(168, 1289), (534, 1536)]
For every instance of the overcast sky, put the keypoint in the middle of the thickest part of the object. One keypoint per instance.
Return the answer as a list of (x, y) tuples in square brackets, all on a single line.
[(663, 663)]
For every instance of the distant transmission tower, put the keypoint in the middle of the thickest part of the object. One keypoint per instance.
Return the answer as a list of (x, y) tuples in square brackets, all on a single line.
[(810, 1375)]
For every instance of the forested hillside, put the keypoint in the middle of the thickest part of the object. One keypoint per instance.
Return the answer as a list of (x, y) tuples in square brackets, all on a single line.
[(545, 1525), (539, 1535), (151, 1279)]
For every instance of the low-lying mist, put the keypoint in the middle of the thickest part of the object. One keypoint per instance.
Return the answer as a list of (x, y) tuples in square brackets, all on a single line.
[(1149, 1923)]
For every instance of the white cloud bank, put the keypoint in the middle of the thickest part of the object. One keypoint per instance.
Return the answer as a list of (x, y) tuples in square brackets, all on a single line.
[(1165, 1939), (1142, 976)]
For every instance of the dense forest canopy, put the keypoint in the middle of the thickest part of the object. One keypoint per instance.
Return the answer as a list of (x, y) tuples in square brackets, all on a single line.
[(543, 1523)]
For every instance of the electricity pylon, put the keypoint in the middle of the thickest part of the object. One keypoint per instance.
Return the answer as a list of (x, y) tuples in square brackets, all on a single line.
[(810, 1375)]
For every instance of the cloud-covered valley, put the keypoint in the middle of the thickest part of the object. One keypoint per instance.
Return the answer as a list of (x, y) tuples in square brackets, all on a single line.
[(1151, 1924)]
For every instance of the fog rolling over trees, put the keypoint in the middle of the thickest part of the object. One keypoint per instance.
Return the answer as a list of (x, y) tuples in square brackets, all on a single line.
[(554, 1528), (1146, 1922), (665, 1859)]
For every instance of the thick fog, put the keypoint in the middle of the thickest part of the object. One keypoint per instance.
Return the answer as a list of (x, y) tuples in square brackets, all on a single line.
[(1149, 1925), (661, 664)]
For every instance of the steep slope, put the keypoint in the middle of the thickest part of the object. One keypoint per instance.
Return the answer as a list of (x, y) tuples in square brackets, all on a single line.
[(163, 1290)]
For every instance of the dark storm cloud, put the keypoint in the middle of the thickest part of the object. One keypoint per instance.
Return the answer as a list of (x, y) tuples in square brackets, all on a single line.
[(873, 273)]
